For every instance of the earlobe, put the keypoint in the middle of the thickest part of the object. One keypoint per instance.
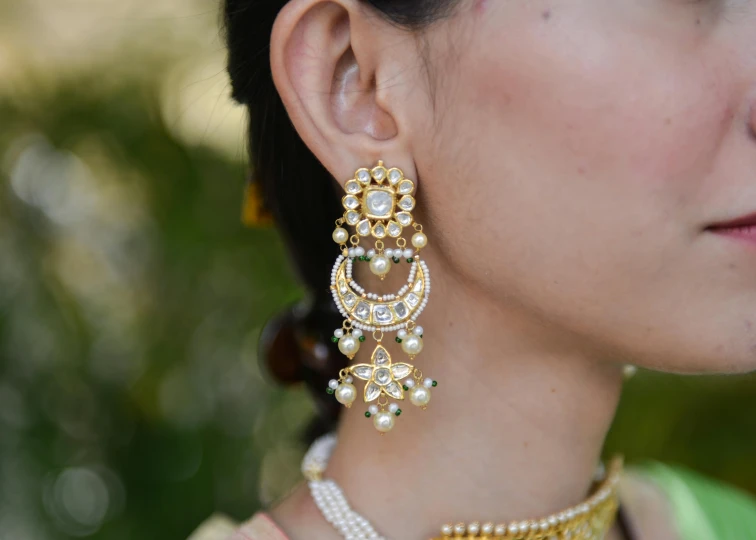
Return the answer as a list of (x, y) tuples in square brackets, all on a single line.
[(326, 72)]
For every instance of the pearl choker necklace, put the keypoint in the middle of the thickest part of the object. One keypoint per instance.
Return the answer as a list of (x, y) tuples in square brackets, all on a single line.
[(590, 520)]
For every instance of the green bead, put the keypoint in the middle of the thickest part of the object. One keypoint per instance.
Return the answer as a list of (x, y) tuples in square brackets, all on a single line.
[(435, 384), (397, 260), (362, 258), (398, 340), (406, 388), (398, 412), (368, 259), (410, 260), (329, 390), (367, 414), (361, 338), (334, 339)]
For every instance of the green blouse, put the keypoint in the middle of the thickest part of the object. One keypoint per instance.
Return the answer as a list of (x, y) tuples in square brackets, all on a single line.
[(703, 508)]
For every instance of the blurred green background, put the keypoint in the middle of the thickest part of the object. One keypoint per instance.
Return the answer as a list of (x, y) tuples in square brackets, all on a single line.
[(132, 405)]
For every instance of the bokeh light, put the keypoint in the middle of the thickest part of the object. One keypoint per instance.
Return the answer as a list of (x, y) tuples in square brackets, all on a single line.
[(132, 402)]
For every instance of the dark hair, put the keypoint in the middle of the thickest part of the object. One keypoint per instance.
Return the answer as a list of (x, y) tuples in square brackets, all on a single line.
[(299, 193)]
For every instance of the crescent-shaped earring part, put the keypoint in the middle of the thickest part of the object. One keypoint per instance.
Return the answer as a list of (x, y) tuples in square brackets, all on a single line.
[(378, 205)]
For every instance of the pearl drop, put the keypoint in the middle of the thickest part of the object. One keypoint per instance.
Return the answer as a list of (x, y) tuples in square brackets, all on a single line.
[(419, 240), (389, 253), (346, 394), (351, 252), (333, 384), (409, 383), (428, 383), (338, 333), (373, 409), (380, 265), (340, 235), (359, 251), (402, 333), (348, 345), (357, 333), (393, 408), (371, 253), (419, 331), (383, 421), (420, 396), (412, 345), (349, 379), (408, 253)]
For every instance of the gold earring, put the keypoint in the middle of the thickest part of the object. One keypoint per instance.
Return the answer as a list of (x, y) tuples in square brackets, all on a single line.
[(378, 204)]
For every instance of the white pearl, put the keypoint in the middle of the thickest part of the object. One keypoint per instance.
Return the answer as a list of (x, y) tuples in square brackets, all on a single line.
[(349, 380), (371, 253), (333, 384), (408, 253), (351, 252), (340, 235), (359, 251), (447, 530), (380, 265), (357, 333), (383, 421), (409, 383), (373, 409), (393, 408), (349, 345), (487, 528), (389, 253), (419, 331), (412, 345), (419, 240), (346, 394), (459, 528), (338, 333), (473, 528), (428, 383), (420, 396), (401, 334), (500, 530)]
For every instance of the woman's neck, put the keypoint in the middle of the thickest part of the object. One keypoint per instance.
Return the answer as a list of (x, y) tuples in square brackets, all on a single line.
[(514, 429)]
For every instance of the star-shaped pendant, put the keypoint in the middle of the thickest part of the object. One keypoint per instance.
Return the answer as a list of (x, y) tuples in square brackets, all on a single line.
[(382, 375)]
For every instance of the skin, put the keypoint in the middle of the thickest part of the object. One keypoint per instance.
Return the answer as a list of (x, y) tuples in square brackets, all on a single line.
[(569, 156)]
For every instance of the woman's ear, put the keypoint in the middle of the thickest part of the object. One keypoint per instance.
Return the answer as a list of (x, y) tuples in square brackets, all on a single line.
[(339, 72)]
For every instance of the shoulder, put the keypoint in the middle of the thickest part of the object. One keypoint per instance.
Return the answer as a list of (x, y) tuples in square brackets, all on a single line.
[(259, 527), (702, 508)]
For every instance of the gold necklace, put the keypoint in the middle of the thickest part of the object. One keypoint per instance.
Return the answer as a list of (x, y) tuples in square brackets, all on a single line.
[(589, 520)]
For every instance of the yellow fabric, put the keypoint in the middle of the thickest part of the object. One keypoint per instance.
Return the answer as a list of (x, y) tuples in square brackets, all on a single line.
[(217, 527), (260, 527)]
